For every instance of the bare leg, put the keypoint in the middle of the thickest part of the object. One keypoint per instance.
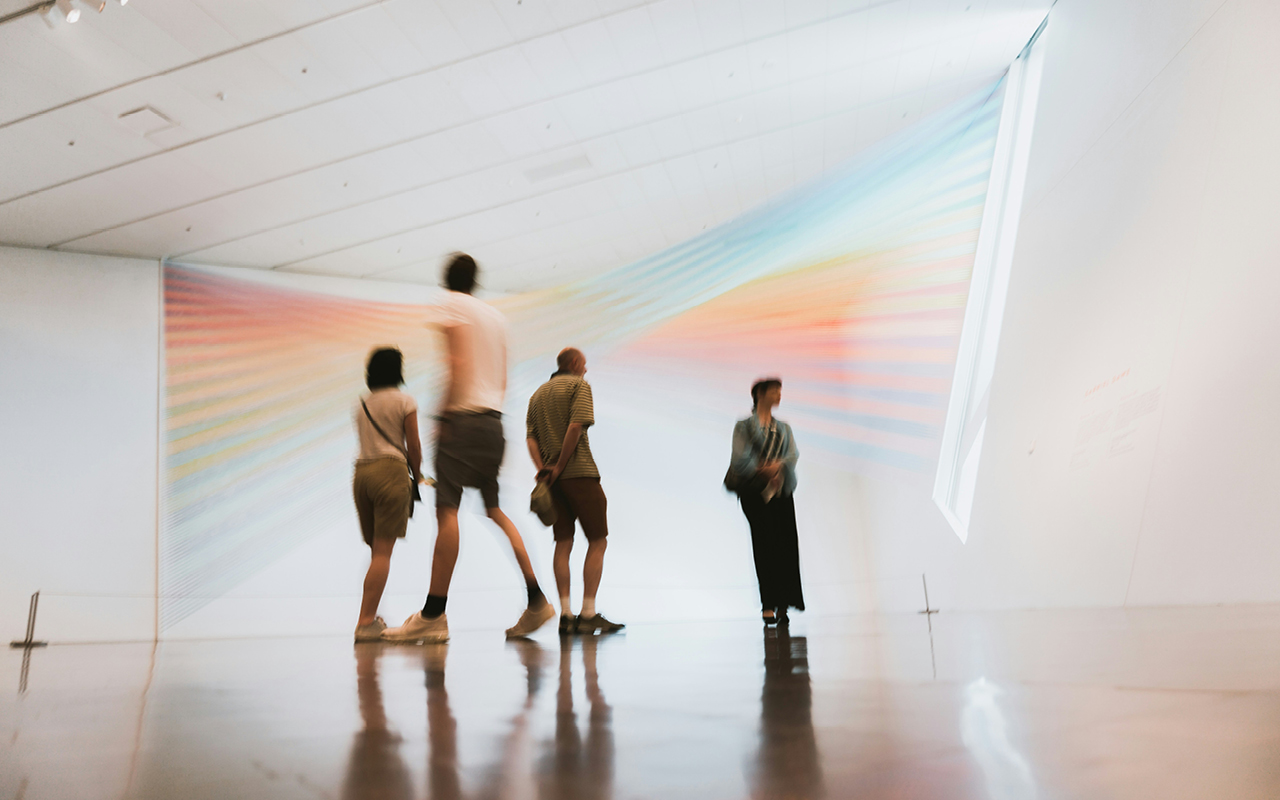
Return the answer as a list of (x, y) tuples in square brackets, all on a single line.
[(375, 580), (560, 565), (446, 553), (517, 544), (593, 567)]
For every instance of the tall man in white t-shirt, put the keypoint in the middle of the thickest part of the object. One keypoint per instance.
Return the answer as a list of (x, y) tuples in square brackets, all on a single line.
[(469, 449)]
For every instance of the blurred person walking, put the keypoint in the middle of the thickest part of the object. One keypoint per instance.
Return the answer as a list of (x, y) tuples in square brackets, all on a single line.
[(469, 449), (560, 412), (387, 469), (763, 473)]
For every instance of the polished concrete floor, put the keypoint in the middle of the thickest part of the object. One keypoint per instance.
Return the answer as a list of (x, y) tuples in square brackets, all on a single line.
[(1172, 703)]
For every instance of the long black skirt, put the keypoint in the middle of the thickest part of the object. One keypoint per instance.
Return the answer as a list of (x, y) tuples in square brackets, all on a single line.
[(776, 548)]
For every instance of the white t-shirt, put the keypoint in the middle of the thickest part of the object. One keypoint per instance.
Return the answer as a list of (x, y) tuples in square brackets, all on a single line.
[(389, 407), (481, 382)]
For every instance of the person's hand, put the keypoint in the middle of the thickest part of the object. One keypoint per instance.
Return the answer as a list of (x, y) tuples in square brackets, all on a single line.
[(543, 475), (555, 474)]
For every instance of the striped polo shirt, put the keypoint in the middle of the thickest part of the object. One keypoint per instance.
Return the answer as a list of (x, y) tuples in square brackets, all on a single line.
[(556, 404)]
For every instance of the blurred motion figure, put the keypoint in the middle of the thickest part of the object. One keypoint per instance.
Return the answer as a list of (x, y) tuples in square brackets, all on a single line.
[(469, 449)]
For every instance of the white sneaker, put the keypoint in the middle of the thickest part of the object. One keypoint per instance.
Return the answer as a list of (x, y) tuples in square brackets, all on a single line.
[(418, 628), (531, 620), (371, 632)]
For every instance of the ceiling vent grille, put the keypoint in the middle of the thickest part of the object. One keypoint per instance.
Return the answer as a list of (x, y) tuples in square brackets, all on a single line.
[(555, 170)]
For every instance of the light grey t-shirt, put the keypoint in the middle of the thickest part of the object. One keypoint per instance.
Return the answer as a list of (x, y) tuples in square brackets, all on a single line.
[(389, 407)]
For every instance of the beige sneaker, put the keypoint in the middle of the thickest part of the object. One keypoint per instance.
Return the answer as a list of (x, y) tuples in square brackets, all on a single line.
[(418, 628), (371, 632), (531, 620)]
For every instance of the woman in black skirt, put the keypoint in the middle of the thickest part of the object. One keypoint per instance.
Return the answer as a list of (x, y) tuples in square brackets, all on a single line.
[(764, 465)]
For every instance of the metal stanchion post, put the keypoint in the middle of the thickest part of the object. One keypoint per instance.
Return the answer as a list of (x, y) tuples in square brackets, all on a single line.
[(30, 642)]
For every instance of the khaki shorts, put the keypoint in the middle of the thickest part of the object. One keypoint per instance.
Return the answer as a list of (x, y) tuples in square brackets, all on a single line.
[(383, 491), (579, 500)]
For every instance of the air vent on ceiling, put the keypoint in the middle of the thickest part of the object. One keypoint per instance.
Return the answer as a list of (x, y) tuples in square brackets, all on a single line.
[(145, 120), (548, 171)]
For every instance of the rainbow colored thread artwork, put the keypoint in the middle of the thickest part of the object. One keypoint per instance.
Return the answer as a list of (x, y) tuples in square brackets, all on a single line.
[(852, 288)]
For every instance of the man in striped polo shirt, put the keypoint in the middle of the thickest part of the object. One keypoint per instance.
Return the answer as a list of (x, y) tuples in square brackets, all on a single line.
[(560, 412)]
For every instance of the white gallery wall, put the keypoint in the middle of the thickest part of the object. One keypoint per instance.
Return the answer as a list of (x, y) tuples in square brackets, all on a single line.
[(79, 356), (1130, 454)]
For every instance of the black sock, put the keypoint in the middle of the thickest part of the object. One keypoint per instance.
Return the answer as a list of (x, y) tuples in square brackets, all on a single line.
[(434, 606), (536, 597)]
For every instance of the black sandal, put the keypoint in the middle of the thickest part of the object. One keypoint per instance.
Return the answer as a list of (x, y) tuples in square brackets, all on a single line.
[(782, 618), (769, 616)]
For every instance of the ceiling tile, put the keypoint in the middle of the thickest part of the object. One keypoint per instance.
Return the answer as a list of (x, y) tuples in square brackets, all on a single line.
[(675, 22), (477, 22)]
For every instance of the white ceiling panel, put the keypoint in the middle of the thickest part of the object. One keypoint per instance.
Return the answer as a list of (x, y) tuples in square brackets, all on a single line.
[(552, 138)]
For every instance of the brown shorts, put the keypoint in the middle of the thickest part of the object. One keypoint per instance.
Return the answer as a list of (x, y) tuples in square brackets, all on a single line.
[(469, 453), (581, 500), (383, 491)]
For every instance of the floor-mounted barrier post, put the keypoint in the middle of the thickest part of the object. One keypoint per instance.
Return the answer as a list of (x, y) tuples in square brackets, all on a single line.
[(30, 641)]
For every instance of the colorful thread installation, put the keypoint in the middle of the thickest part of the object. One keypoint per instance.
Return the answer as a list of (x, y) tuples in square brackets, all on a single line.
[(851, 288), (260, 386)]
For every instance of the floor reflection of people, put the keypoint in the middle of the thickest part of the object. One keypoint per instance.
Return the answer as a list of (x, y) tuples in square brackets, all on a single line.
[(442, 728), (570, 767), (575, 768), (510, 775), (375, 768), (787, 764)]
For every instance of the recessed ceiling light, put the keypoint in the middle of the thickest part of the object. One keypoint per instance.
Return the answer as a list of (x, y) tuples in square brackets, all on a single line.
[(558, 168)]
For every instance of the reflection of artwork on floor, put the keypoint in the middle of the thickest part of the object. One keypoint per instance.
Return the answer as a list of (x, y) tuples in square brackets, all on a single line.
[(851, 287)]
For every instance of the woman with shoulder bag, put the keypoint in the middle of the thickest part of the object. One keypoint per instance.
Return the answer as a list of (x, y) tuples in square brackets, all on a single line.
[(388, 470), (763, 474)]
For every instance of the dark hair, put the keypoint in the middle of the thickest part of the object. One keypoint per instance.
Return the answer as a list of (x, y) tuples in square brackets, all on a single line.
[(760, 387), (385, 368), (460, 273)]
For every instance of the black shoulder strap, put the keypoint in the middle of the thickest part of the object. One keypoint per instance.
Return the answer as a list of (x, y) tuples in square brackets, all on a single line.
[(383, 433)]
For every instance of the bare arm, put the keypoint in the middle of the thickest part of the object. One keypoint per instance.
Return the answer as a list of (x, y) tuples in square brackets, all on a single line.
[(413, 444), (535, 453), (453, 357), (571, 437)]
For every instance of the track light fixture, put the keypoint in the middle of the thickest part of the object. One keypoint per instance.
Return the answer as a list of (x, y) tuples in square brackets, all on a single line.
[(69, 12), (51, 10)]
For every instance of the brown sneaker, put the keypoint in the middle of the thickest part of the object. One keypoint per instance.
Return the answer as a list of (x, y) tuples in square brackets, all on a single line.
[(598, 623)]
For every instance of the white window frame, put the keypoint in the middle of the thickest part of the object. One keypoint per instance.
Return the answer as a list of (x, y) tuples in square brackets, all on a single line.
[(966, 424)]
